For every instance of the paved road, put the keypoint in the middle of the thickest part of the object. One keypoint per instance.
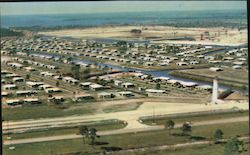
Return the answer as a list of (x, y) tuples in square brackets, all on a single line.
[(123, 131)]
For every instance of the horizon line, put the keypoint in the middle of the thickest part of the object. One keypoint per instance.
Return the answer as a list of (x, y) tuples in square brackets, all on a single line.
[(63, 13)]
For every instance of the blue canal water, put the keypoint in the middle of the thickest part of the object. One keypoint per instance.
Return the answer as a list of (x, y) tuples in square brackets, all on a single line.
[(153, 73)]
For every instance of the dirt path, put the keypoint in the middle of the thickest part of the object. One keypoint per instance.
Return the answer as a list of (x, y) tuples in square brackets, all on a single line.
[(131, 117), (123, 131)]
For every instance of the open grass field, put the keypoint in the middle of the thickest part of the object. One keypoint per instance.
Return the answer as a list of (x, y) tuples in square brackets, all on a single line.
[(42, 111), (213, 149), (193, 118), (125, 141)]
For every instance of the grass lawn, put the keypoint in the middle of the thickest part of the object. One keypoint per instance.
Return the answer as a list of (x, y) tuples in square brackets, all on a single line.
[(193, 118), (122, 107), (42, 111), (190, 150), (125, 141)]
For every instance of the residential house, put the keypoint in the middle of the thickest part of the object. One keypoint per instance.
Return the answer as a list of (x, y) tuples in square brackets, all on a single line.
[(82, 97), (126, 93), (9, 87), (128, 85)]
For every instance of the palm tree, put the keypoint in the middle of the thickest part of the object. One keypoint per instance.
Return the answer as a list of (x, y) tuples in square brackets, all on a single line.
[(84, 132), (218, 135), (186, 128), (158, 86), (57, 83), (169, 125), (75, 70), (27, 76), (69, 59), (92, 135)]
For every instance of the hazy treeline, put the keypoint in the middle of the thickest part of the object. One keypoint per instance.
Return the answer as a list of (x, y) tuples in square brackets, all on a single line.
[(4, 32)]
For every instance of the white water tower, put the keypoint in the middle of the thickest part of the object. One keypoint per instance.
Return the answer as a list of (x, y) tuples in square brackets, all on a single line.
[(215, 91)]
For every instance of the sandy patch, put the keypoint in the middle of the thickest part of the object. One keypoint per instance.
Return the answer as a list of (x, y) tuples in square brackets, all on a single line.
[(217, 36)]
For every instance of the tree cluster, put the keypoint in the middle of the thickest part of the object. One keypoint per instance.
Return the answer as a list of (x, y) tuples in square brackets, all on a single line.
[(88, 134)]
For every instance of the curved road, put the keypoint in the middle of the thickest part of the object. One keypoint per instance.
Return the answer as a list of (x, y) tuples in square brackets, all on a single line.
[(146, 109)]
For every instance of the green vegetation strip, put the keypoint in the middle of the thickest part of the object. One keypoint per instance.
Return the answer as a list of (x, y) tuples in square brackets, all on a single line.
[(43, 111), (9, 33), (211, 149), (160, 120), (122, 107), (99, 125), (127, 141)]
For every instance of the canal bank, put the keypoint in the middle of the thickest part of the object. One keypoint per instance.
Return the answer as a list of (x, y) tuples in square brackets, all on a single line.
[(235, 85)]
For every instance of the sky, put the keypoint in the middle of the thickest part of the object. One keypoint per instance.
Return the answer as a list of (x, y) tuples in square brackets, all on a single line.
[(30, 8)]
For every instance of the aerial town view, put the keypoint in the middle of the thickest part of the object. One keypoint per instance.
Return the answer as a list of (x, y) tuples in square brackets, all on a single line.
[(124, 78)]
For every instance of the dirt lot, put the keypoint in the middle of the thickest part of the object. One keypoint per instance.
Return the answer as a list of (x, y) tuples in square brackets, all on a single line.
[(221, 36)]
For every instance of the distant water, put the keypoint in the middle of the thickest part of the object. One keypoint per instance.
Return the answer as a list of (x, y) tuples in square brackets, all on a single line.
[(176, 18)]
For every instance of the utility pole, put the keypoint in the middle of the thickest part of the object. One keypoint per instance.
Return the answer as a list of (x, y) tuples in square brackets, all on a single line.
[(153, 114)]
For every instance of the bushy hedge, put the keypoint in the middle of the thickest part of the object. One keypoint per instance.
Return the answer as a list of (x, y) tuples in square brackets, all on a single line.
[(225, 94)]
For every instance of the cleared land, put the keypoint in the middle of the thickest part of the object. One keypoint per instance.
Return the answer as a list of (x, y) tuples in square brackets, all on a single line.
[(44, 111), (126, 141), (131, 117), (160, 33)]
